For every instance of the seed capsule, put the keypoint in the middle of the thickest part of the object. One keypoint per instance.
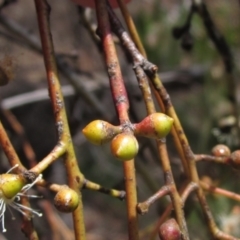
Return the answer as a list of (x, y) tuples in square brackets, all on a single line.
[(66, 200), (169, 230), (124, 146), (156, 125), (10, 185), (99, 132)]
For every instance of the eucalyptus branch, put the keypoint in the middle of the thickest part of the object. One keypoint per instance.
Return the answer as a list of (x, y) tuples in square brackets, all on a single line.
[(179, 133), (205, 157), (75, 177), (144, 206), (139, 63), (137, 57), (219, 191), (184, 191), (131, 26), (121, 103), (9, 149), (19, 130), (122, 137)]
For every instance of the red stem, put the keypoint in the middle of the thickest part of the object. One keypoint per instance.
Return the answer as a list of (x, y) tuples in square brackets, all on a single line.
[(113, 67), (122, 105)]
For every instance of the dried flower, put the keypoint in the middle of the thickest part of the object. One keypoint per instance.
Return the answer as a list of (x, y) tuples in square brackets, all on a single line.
[(12, 188)]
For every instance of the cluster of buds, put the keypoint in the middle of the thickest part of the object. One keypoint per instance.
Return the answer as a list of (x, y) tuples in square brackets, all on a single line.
[(124, 144)]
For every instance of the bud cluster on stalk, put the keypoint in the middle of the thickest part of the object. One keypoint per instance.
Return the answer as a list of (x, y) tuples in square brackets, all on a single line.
[(124, 144)]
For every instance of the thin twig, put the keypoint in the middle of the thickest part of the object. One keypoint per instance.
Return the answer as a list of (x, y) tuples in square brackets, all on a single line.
[(137, 57), (220, 191), (97, 187), (144, 206), (121, 103), (75, 177), (34, 44), (9, 149), (27, 226)]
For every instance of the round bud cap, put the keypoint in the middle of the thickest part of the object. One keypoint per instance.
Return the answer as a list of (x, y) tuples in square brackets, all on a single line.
[(124, 146), (11, 185), (169, 230), (66, 200), (221, 150)]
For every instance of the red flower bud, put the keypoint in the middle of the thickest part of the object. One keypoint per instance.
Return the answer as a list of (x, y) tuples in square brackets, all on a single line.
[(221, 150), (156, 125), (169, 230)]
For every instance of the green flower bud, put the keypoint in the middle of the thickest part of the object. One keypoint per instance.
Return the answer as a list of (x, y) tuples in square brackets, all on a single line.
[(66, 200), (99, 132), (156, 125), (10, 185), (124, 146)]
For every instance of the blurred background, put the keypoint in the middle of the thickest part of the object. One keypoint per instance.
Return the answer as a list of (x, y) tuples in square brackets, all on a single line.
[(191, 68)]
